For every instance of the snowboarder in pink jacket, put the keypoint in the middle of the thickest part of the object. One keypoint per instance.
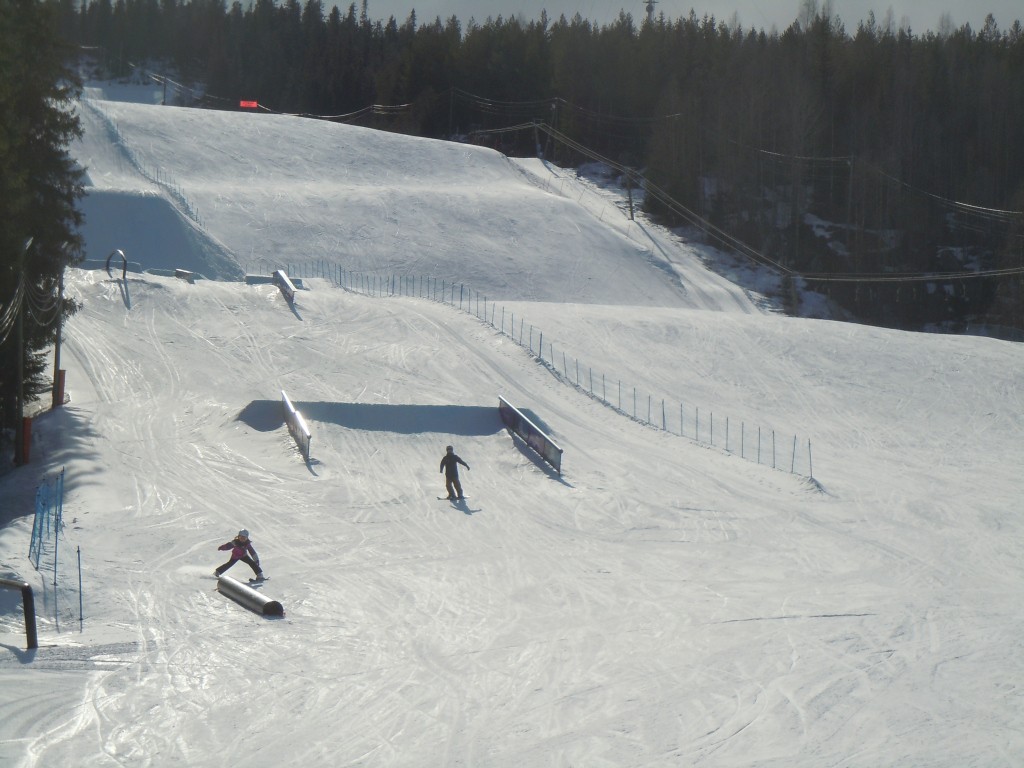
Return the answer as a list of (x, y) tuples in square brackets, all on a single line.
[(241, 549)]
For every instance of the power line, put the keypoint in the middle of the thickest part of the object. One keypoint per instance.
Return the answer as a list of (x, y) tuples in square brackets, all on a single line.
[(991, 213), (9, 317), (737, 245)]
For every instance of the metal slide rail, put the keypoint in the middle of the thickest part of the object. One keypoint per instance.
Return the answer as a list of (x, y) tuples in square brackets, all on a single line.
[(248, 597), (517, 422), (124, 263)]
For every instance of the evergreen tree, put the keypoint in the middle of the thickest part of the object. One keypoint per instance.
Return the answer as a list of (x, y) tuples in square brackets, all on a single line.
[(39, 188)]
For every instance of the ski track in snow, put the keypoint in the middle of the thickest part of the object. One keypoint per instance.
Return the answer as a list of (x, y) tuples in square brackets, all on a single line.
[(660, 603)]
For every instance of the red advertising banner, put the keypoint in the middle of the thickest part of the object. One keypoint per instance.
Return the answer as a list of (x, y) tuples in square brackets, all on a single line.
[(248, 104)]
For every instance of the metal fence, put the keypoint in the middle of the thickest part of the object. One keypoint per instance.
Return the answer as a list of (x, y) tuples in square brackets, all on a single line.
[(752, 442), (48, 521)]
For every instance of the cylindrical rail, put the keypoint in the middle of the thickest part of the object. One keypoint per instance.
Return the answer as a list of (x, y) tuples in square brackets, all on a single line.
[(249, 597)]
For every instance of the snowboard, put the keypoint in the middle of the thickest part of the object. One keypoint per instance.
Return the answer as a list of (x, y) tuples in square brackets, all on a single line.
[(251, 581), (445, 498)]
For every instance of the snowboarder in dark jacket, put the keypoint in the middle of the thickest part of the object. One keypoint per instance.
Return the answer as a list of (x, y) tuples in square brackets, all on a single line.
[(241, 549), (449, 465)]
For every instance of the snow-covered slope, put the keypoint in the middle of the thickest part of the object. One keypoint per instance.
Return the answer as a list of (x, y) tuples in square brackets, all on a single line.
[(661, 602), (273, 190)]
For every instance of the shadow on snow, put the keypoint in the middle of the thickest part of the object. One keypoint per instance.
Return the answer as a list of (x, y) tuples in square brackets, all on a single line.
[(463, 420)]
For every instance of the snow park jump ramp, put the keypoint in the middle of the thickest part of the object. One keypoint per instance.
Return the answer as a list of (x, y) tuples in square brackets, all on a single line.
[(153, 233)]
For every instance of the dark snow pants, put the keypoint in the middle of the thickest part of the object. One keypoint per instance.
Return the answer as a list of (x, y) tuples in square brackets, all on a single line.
[(247, 560), (454, 487)]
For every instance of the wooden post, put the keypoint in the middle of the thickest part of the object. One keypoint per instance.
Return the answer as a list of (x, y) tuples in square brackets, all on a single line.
[(29, 606)]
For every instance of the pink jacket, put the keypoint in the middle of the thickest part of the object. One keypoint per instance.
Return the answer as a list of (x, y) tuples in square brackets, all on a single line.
[(240, 550)]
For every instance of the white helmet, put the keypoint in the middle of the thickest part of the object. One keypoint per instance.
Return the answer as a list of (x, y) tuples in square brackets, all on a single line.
[(244, 533)]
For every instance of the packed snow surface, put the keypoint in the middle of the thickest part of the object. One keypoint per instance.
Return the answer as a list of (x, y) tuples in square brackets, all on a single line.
[(665, 600)]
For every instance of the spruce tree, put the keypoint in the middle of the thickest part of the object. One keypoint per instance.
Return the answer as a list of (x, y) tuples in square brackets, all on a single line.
[(39, 189)]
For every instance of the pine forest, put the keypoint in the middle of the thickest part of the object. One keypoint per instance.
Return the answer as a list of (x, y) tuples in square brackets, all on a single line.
[(878, 166)]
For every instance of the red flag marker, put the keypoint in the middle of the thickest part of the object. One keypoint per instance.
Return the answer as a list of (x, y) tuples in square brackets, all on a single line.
[(248, 104)]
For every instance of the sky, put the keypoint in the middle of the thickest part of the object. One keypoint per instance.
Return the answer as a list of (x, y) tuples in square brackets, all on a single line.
[(922, 15), (668, 599)]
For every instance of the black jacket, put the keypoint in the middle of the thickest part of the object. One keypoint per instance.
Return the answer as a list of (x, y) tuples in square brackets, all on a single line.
[(449, 464)]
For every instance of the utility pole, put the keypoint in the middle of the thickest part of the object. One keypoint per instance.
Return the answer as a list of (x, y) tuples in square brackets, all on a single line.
[(19, 406), (58, 380), (649, 7), (629, 191)]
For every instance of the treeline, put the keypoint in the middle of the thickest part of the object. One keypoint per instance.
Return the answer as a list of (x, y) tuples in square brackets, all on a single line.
[(873, 152)]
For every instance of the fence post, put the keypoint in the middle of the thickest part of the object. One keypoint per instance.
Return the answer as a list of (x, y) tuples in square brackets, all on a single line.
[(81, 604), (28, 605), (33, 546), (792, 465), (810, 462), (29, 609), (56, 539)]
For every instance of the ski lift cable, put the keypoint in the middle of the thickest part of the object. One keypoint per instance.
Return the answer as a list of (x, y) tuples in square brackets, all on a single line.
[(918, 277), (995, 213)]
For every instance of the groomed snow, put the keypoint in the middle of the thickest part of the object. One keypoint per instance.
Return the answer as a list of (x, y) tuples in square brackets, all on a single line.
[(662, 602)]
